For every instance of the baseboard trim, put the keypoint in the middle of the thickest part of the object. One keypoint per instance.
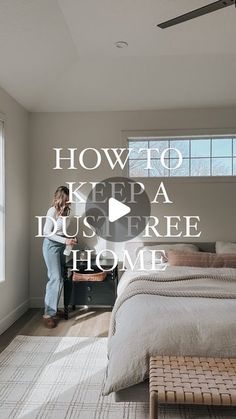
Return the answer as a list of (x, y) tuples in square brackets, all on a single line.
[(38, 302), (14, 315)]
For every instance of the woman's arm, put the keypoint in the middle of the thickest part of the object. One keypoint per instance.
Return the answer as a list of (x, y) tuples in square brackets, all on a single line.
[(49, 226)]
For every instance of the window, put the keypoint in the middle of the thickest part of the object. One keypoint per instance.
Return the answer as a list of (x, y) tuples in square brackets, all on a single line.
[(2, 207), (182, 156)]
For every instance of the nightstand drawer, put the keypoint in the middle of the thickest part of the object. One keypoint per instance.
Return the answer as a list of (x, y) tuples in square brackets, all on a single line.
[(94, 293), (91, 293)]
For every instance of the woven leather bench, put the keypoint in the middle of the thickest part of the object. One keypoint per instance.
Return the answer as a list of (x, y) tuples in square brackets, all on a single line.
[(191, 380)]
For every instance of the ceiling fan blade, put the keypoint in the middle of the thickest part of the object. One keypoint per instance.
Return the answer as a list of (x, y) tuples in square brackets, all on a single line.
[(212, 7)]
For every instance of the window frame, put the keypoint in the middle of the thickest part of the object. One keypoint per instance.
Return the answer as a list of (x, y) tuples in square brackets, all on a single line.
[(3, 186), (175, 135)]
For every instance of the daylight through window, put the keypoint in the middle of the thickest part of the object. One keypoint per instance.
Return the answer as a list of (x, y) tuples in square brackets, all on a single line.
[(205, 156)]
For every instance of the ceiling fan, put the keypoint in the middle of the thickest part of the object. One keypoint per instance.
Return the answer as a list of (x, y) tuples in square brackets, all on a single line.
[(212, 7)]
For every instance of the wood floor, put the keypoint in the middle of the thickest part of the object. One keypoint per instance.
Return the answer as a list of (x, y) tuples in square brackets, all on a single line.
[(89, 322), (82, 322)]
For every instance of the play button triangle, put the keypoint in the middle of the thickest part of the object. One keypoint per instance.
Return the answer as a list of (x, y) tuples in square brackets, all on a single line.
[(117, 210), (108, 216)]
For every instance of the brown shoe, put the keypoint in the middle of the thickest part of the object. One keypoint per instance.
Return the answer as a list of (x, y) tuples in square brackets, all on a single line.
[(49, 322)]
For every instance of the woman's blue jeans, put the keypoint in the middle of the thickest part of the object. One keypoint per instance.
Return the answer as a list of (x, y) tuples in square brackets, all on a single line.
[(56, 270)]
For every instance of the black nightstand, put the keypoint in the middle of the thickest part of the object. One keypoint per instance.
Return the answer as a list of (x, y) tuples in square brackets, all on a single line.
[(90, 293)]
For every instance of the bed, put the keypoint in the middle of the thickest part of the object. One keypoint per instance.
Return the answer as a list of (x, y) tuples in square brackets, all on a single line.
[(181, 311)]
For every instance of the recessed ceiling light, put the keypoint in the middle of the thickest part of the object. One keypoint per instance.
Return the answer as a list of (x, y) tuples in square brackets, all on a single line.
[(121, 44)]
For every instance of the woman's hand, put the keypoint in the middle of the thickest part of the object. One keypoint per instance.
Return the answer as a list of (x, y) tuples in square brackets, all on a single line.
[(71, 242)]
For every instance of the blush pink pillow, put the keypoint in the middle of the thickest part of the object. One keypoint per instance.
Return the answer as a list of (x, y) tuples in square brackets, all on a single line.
[(202, 259)]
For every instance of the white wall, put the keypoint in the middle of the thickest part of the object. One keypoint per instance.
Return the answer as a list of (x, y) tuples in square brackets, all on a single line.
[(214, 202), (14, 291)]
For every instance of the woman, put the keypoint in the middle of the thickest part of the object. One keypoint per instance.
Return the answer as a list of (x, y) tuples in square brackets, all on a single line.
[(53, 248)]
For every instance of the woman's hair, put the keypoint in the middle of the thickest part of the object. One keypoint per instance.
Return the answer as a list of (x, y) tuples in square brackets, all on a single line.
[(60, 199)]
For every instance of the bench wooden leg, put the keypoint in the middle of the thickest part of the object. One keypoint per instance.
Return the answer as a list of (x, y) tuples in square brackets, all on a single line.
[(153, 406)]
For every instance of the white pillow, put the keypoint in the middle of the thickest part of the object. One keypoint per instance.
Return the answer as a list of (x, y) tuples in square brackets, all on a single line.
[(225, 247)]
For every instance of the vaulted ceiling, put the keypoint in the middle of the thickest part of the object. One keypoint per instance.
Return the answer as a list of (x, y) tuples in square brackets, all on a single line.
[(59, 55)]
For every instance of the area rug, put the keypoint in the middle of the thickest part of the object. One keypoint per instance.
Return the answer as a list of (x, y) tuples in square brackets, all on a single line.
[(62, 377)]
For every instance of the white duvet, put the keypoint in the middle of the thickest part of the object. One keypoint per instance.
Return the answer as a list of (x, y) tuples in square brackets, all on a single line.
[(186, 324)]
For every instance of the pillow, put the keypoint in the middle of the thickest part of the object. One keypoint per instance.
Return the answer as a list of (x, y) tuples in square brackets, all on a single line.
[(185, 247), (160, 257), (225, 247), (202, 259)]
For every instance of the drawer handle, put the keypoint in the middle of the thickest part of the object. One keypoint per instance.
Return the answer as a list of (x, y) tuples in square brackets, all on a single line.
[(89, 298), (89, 288)]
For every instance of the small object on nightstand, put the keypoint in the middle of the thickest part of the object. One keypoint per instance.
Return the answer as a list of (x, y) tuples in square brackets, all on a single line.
[(89, 276), (82, 255)]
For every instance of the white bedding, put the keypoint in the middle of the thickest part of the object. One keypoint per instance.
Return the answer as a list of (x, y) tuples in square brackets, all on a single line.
[(199, 320)]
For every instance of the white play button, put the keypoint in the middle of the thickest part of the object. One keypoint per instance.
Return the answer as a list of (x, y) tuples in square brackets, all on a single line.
[(112, 204), (116, 210)]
